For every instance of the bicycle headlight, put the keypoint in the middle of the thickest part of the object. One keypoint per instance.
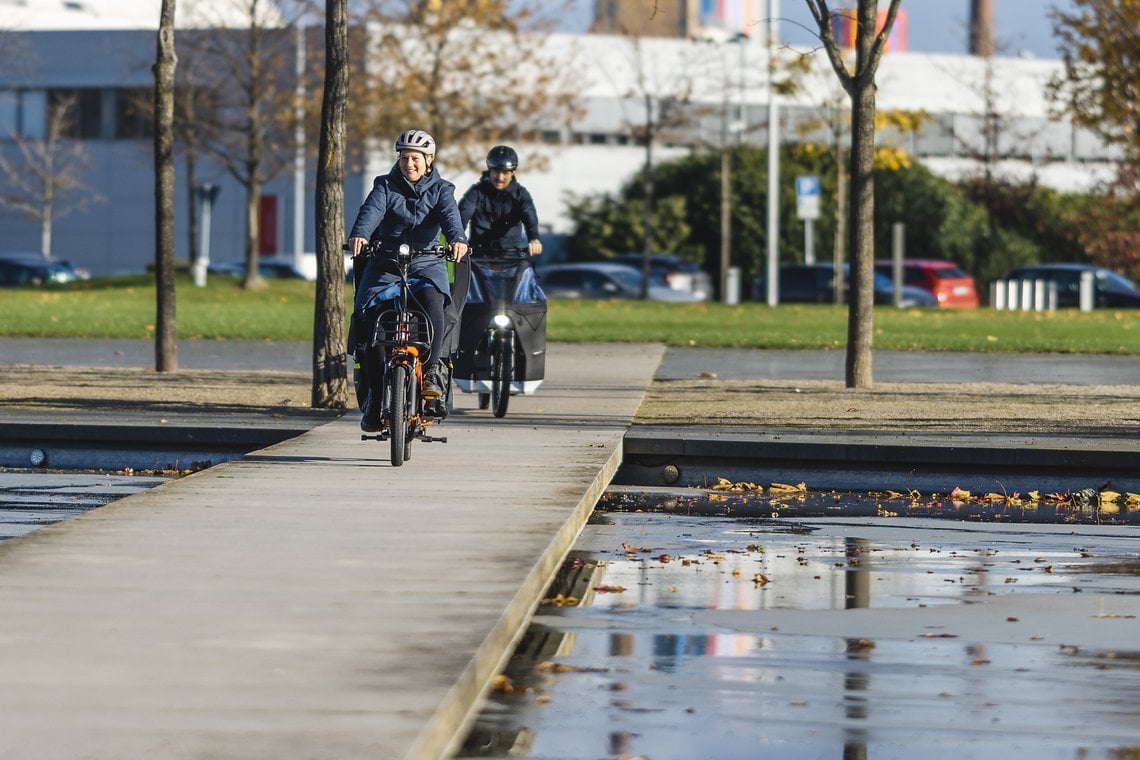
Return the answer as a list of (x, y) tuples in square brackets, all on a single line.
[(501, 320)]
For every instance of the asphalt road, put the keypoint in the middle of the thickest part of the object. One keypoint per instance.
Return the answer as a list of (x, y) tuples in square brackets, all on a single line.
[(679, 363)]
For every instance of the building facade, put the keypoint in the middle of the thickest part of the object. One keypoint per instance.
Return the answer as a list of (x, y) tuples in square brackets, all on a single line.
[(722, 87)]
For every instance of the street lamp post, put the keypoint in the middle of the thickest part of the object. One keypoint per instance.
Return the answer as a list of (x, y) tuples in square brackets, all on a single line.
[(299, 145), (773, 160), (207, 193)]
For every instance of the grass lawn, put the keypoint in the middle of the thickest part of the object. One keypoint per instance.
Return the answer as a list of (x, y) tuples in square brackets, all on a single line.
[(124, 307)]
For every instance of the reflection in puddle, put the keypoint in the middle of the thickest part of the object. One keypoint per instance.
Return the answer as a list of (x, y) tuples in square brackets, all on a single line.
[(680, 637)]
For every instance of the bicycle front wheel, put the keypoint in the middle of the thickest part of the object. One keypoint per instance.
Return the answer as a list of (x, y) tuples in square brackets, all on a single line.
[(502, 371), (398, 413)]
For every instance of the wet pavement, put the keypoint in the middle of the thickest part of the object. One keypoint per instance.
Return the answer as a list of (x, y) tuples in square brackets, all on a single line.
[(672, 638), (32, 499), (310, 600)]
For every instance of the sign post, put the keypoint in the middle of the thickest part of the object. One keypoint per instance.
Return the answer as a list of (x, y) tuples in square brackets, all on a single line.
[(807, 209)]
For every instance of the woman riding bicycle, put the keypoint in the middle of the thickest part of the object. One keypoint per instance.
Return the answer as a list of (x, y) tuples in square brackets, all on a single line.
[(410, 204)]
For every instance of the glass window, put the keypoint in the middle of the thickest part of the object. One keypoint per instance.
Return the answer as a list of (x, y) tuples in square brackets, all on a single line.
[(33, 114), (132, 113), (82, 112), (9, 113)]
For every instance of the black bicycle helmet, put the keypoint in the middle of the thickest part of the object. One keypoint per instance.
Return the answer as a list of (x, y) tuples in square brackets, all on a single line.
[(503, 157)]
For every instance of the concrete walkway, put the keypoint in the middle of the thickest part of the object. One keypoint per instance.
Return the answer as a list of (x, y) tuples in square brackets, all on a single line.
[(309, 600)]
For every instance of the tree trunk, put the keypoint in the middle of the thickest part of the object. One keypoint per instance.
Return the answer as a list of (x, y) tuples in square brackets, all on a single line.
[(860, 315), (252, 277), (841, 212), (191, 152), (647, 209), (166, 346), (330, 365), (725, 218), (253, 156), (860, 86), (45, 231)]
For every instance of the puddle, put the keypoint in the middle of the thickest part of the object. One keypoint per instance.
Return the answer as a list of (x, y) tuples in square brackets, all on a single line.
[(696, 637), (32, 499)]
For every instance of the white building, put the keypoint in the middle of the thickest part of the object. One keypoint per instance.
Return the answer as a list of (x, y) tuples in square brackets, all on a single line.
[(102, 50)]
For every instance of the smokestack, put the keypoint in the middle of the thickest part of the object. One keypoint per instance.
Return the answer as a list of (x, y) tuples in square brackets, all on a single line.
[(982, 28)]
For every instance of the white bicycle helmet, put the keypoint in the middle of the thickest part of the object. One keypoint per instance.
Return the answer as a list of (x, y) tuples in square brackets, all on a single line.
[(416, 139)]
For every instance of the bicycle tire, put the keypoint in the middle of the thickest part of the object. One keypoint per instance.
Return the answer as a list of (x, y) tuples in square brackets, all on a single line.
[(412, 402), (398, 413), (502, 371)]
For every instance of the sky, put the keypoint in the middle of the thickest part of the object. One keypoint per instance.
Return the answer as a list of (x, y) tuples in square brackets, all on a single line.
[(1022, 27)]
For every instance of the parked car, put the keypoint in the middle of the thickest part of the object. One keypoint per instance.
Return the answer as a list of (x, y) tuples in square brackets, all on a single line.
[(945, 280), (815, 283), (33, 269), (603, 279), (1110, 290), (270, 269), (673, 271)]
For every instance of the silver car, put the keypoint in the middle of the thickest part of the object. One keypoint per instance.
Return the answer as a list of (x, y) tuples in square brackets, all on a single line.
[(601, 279)]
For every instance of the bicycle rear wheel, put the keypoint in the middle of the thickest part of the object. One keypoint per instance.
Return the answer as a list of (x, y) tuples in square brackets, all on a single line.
[(398, 413)]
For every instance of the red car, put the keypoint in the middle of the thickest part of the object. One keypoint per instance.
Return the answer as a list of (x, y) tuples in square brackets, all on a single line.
[(943, 279)]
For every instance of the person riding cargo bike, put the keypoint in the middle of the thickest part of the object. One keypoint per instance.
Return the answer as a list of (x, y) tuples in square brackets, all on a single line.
[(501, 347), (410, 205)]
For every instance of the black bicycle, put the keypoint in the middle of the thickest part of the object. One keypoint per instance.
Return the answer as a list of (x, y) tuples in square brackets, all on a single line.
[(390, 362), (502, 347)]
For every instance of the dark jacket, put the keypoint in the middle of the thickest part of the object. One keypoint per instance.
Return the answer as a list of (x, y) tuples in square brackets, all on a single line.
[(397, 212), (495, 215)]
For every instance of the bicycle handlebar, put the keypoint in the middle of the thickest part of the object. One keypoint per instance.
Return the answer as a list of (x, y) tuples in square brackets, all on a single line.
[(373, 249), (500, 253)]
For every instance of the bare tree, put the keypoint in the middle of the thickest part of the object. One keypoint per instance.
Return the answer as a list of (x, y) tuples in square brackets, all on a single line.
[(248, 125), (330, 366), (165, 339), (470, 72), (661, 107), (45, 181), (860, 86), (1100, 86)]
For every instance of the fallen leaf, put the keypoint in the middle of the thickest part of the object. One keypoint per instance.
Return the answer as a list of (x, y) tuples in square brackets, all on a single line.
[(604, 589), (503, 685), (786, 488)]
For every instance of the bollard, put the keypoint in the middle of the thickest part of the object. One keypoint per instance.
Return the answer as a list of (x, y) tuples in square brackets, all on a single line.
[(732, 286), (998, 292), (1026, 296), (1086, 292)]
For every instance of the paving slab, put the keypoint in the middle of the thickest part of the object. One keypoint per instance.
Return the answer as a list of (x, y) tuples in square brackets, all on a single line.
[(309, 600)]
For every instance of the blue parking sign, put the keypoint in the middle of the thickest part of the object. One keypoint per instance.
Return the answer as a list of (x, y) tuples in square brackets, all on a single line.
[(807, 197)]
